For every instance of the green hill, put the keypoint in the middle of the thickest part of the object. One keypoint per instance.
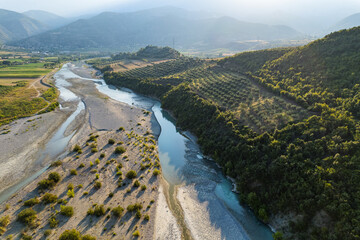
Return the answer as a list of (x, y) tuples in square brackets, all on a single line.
[(282, 122), (15, 26)]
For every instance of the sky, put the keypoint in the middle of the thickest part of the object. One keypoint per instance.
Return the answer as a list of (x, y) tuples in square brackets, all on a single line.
[(297, 13)]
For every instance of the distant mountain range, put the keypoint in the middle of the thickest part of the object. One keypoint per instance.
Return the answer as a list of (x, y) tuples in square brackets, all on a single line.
[(161, 27), (49, 19), (15, 26), (348, 22)]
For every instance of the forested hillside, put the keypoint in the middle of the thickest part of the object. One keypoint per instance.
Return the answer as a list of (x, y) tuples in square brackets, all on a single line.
[(282, 122)]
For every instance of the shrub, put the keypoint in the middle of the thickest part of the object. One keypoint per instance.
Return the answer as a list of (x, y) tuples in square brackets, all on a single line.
[(27, 216), (136, 233), (143, 187), (49, 198), (94, 150), (71, 193), (31, 202), (147, 217), (67, 210), (53, 222), (97, 161), (81, 165), (97, 185), (80, 186), (47, 232), (4, 222), (70, 235), (120, 150), (156, 172), (88, 237), (134, 207), (119, 173), (131, 174), (26, 237), (121, 128), (56, 163), (97, 176), (91, 164), (86, 193), (70, 186), (117, 211), (98, 211), (102, 155), (111, 195), (73, 172), (111, 141), (138, 214), (54, 176), (77, 148), (136, 183)]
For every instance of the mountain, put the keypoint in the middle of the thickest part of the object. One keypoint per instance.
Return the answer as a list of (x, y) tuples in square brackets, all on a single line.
[(14, 26), (129, 31), (49, 19), (348, 22)]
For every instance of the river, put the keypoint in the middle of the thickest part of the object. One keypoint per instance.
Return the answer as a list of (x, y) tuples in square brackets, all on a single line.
[(184, 167)]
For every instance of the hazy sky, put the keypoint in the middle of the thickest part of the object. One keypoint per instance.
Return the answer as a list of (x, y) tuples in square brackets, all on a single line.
[(308, 12)]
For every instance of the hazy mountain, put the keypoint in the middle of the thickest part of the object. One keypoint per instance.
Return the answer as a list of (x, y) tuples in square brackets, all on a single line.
[(348, 22), (129, 31), (49, 19), (15, 26)]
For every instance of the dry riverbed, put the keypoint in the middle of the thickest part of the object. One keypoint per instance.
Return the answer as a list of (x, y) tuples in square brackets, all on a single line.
[(90, 180)]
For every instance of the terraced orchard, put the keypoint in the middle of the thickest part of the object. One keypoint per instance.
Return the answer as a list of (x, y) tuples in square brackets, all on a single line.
[(253, 105)]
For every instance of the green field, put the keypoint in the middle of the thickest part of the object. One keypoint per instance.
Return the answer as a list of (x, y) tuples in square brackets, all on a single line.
[(30, 70)]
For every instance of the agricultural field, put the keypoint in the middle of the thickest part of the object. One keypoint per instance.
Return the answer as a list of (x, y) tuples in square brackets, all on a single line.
[(21, 91)]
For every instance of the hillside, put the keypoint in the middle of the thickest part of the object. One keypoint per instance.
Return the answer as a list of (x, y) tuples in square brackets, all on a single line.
[(279, 122), (51, 20), (15, 26), (129, 31)]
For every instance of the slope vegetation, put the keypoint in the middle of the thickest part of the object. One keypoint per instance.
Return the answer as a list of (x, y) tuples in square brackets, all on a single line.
[(302, 169)]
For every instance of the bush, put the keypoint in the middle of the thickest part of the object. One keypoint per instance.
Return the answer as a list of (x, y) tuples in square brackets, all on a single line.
[(26, 237), (47, 232), (117, 211), (121, 128), (138, 214), (49, 198), (111, 195), (27, 216), (77, 148), (81, 165), (94, 150), (56, 163), (97, 185), (88, 237), (136, 184), (134, 207), (147, 217), (98, 211), (4, 222), (31, 202), (97, 161), (73, 172), (156, 172), (54, 176), (136, 233), (120, 150), (71, 193), (131, 174), (66, 211), (53, 222), (111, 141), (143, 187), (70, 235)]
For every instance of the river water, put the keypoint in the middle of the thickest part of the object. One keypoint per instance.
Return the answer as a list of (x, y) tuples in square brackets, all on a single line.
[(181, 159), (183, 164)]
